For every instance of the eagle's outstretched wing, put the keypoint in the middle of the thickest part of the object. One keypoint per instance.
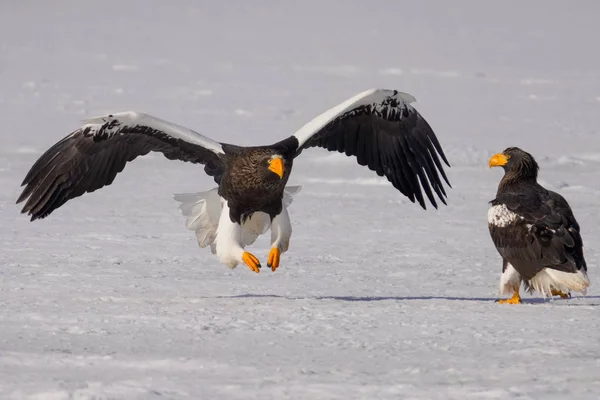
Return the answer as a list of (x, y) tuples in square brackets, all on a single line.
[(91, 157), (385, 133)]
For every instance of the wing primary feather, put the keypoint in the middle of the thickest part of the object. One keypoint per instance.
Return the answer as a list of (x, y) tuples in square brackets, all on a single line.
[(413, 167), (434, 140), (74, 190), (425, 183), (61, 185), (36, 170), (395, 169), (438, 164), (51, 183), (411, 184), (432, 179), (361, 147), (41, 185), (340, 142), (351, 141), (434, 149), (385, 133), (92, 156), (34, 177), (435, 183), (427, 166), (376, 151), (45, 159), (366, 134)]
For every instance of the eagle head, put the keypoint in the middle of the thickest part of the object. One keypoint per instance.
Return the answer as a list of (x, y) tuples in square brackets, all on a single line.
[(273, 167), (515, 162)]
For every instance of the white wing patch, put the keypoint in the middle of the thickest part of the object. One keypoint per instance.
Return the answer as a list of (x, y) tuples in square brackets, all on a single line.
[(113, 124), (371, 96), (501, 216)]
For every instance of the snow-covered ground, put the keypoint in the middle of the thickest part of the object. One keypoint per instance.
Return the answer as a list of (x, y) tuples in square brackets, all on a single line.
[(111, 298)]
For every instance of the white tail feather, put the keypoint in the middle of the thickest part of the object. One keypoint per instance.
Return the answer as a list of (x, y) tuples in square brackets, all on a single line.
[(548, 279), (203, 210), (288, 194)]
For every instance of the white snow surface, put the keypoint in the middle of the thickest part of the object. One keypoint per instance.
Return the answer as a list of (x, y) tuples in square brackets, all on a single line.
[(111, 298)]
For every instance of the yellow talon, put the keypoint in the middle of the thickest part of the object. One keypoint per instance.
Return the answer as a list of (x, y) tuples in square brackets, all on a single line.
[(274, 256), (251, 261), (561, 294), (516, 299)]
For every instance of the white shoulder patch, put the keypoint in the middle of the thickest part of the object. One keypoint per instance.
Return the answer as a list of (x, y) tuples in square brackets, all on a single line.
[(501, 216), (371, 96), (113, 124)]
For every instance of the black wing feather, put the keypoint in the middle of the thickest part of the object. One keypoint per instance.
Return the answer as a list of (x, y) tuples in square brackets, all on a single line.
[(546, 236), (86, 160), (390, 138)]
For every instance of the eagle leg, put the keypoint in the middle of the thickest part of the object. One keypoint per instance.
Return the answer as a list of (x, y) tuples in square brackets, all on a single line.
[(516, 299), (229, 247), (251, 261), (274, 256), (561, 294), (281, 232)]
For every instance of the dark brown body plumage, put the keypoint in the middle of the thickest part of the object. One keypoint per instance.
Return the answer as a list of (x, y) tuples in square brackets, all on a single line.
[(249, 186), (542, 231)]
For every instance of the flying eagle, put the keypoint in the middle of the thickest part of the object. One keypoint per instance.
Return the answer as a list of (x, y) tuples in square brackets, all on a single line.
[(535, 232), (378, 126)]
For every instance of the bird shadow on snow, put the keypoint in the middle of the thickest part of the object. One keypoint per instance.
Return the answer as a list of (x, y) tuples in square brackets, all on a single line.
[(565, 302)]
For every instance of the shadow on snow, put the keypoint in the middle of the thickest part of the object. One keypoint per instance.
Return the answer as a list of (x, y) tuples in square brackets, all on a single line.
[(534, 300)]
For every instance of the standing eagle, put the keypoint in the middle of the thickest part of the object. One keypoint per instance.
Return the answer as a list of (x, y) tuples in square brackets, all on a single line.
[(378, 126), (535, 232)]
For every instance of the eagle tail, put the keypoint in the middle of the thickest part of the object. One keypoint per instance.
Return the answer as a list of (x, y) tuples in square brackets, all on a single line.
[(550, 279), (288, 194), (202, 211)]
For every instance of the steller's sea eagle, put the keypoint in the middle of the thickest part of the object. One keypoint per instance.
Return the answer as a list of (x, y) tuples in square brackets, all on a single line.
[(378, 126), (535, 232)]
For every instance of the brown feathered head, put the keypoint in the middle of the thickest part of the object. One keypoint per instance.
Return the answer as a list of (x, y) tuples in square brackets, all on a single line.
[(516, 163)]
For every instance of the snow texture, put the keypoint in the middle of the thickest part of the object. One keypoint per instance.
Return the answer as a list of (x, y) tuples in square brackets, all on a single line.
[(112, 298)]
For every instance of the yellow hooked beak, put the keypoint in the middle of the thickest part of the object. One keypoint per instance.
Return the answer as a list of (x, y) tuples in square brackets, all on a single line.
[(498, 160), (276, 166)]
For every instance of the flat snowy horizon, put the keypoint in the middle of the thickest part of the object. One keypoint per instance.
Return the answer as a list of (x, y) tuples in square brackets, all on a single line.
[(111, 298)]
